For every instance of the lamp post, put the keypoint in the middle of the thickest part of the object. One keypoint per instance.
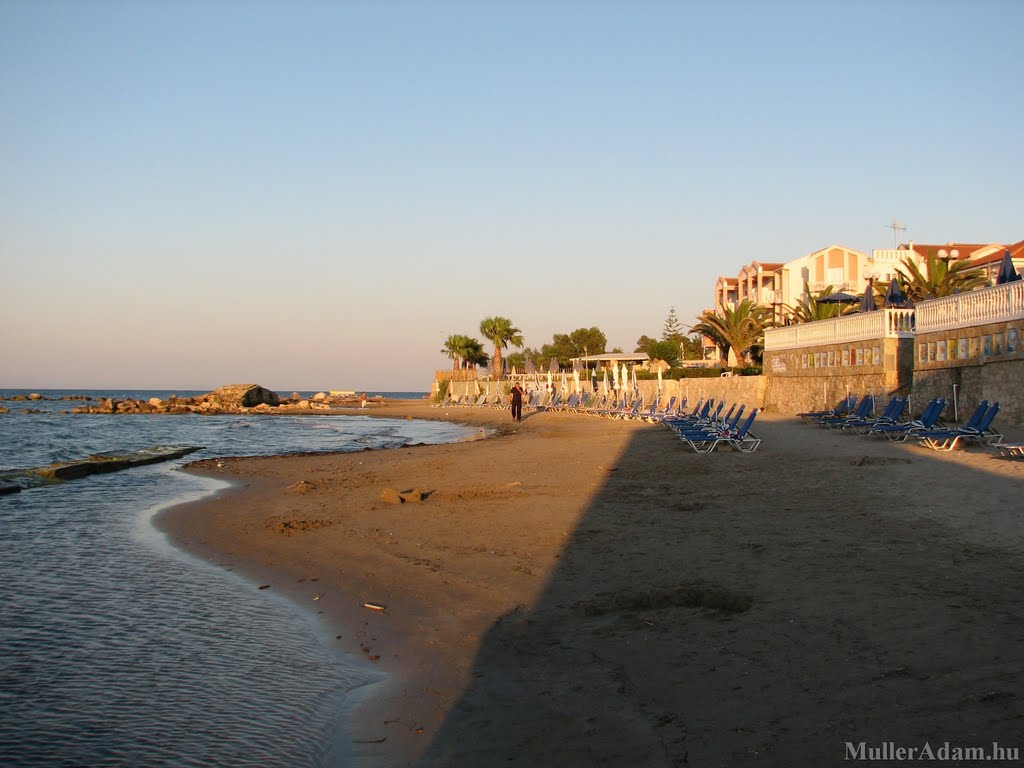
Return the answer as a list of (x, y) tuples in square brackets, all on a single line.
[(945, 257)]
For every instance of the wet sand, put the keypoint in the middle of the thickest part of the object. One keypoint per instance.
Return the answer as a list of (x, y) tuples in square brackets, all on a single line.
[(578, 591)]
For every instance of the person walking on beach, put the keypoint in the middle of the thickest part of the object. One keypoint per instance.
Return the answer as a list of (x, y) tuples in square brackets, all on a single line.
[(517, 402)]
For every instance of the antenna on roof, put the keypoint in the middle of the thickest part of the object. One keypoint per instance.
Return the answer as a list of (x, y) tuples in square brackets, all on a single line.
[(896, 229)]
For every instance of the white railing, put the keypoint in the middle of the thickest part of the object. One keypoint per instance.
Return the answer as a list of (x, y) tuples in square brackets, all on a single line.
[(846, 285), (890, 255), (880, 324), (985, 305)]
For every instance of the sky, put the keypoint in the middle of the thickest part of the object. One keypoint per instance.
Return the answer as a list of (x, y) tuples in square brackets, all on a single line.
[(315, 195)]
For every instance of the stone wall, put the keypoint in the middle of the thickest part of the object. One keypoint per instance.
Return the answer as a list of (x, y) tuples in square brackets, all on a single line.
[(814, 378), (983, 362)]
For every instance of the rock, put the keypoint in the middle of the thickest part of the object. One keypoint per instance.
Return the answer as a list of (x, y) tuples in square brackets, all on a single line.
[(112, 461), (35, 396), (242, 396), (8, 487), (156, 402), (320, 396), (2, 409), (391, 496)]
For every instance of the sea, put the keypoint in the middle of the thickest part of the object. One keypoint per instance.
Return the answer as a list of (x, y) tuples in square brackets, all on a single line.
[(118, 649)]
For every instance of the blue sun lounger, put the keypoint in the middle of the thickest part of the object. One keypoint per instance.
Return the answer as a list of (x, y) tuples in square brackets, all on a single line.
[(741, 439), (900, 432), (977, 428), (867, 404), (841, 408)]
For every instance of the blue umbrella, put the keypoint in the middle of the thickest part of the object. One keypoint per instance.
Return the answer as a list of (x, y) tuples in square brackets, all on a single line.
[(894, 297), (867, 302), (1007, 272)]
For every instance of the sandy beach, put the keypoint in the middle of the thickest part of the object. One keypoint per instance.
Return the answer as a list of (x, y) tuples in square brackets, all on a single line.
[(577, 591)]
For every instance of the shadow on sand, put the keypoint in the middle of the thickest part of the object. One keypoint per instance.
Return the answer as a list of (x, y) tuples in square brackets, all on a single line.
[(762, 610)]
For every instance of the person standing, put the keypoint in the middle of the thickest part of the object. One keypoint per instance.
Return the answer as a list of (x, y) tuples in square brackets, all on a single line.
[(362, 401), (517, 402)]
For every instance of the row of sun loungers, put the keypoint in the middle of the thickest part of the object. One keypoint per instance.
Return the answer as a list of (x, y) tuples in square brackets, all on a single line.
[(705, 428), (928, 429)]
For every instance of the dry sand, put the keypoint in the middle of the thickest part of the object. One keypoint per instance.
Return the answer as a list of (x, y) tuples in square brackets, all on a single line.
[(578, 591)]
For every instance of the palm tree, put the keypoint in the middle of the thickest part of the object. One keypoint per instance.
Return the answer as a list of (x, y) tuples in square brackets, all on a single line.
[(941, 277), (812, 307), (474, 355), (464, 351), (501, 333), (740, 328)]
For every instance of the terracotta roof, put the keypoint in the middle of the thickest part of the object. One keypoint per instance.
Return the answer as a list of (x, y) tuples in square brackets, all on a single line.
[(1016, 253), (927, 249)]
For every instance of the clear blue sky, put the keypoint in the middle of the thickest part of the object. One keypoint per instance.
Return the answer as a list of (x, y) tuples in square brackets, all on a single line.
[(313, 195)]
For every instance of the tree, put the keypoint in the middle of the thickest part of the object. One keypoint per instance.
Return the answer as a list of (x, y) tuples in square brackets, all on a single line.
[(643, 344), (692, 348), (475, 355), (664, 350), (740, 328), (501, 333), (673, 329), (941, 277), (464, 351), (582, 341)]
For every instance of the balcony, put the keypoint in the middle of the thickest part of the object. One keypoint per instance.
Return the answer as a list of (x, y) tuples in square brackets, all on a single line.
[(880, 324)]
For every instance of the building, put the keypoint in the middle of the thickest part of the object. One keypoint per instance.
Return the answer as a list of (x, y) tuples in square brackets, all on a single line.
[(782, 285)]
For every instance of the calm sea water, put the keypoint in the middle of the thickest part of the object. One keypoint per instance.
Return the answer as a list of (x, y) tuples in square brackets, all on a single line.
[(117, 649)]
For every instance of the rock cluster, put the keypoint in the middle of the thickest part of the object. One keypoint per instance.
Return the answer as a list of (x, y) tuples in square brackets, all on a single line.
[(232, 398)]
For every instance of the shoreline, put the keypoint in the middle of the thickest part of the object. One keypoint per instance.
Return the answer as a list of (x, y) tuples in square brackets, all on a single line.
[(569, 551), (424, 671)]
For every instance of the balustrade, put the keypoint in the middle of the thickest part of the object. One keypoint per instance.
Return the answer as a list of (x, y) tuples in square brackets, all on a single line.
[(998, 303), (882, 323)]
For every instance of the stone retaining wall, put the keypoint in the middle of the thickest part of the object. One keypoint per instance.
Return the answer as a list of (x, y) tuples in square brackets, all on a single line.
[(814, 378), (983, 362)]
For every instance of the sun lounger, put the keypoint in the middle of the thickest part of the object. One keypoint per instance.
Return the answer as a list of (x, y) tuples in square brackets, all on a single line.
[(864, 408), (841, 408), (668, 410), (741, 439), (900, 432), (710, 430), (891, 415), (1009, 450), (699, 415), (978, 428)]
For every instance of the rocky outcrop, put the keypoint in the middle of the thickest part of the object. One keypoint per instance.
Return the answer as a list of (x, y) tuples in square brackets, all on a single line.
[(242, 396), (233, 398), (98, 463)]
